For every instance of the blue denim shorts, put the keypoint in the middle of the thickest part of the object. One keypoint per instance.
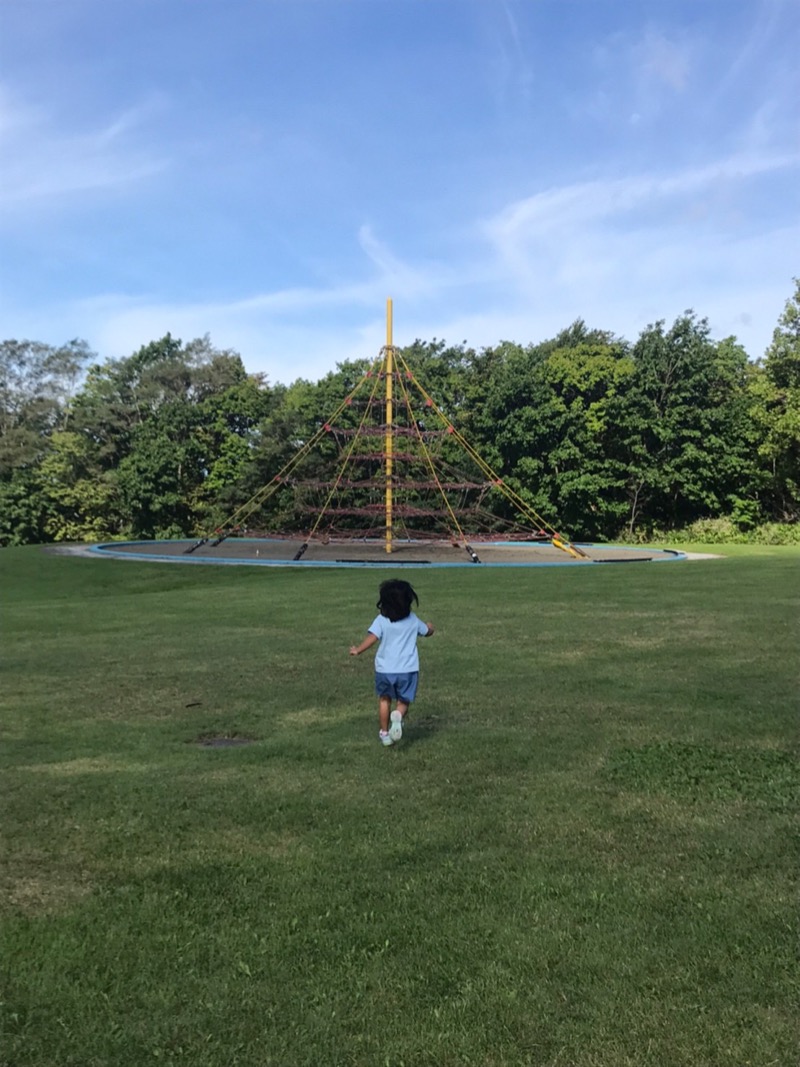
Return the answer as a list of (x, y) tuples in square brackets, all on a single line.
[(397, 686)]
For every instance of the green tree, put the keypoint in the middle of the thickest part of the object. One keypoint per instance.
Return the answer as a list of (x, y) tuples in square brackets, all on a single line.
[(166, 428), (227, 436), (775, 411), (583, 467), (22, 509), (79, 501), (37, 382), (119, 395), (685, 420), (547, 418)]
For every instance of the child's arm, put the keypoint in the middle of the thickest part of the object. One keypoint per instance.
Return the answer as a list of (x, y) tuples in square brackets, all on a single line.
[(368, 642), (431, 630)]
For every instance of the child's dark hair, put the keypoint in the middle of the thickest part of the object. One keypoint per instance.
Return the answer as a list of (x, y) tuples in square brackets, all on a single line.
[(395, 598)]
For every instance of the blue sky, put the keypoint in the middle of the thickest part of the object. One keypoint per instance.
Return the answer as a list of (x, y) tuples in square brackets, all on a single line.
[(270, 171)]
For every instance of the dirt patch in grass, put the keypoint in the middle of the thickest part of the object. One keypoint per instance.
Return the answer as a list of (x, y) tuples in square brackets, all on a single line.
[(42, 894), (86, 765), (234, 740), (306, 717)]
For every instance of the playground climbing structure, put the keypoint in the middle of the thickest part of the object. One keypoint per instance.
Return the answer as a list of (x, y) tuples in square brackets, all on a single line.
[(389, 467)]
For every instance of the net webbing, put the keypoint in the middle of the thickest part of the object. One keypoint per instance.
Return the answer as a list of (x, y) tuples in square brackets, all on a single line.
[(376, 372)]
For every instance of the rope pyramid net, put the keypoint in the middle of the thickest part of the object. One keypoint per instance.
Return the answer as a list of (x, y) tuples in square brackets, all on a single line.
[(388, 466)]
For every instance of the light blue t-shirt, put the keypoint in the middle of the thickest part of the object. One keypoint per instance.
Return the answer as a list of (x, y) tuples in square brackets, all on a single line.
[(397, 651)]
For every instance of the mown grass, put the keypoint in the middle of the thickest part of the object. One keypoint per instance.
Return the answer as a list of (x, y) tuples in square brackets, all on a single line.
[(582, 853)]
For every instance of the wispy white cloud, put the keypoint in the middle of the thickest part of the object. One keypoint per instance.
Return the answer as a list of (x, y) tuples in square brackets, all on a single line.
[(15, 115), (766, 20), (46, 157), (606, 201), (623, 192), (379, 253), (509, 56), (532, 269), (624, 252), (638, 76), (662, 61), (398, 275), (281, 345), (286, 333)]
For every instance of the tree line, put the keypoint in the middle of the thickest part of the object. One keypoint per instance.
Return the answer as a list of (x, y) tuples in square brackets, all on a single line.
[(610, 439)]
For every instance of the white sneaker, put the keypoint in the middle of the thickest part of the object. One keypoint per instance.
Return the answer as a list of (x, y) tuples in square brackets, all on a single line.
[(385, 739), (396, 729)]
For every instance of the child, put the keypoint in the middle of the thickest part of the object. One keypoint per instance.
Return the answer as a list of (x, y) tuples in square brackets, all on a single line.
[(397, 660)]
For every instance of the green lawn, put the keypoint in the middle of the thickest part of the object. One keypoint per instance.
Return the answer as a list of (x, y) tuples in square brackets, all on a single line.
[(583, 852)]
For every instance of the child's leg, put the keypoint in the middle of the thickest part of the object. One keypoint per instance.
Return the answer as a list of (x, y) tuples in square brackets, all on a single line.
[(384, 707), (397, 718), (408, 689)]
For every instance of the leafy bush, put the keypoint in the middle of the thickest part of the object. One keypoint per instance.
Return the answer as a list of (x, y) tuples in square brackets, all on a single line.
[(778, 533), (724, 531)]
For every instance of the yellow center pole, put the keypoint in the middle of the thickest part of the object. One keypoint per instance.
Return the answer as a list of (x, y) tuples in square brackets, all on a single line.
[(389, 441)]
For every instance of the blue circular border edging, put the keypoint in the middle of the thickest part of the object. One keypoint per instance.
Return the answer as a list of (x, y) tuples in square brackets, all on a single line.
[(116, 549)]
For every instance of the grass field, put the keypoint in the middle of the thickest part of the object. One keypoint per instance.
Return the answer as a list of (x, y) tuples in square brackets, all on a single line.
[(583, 852)]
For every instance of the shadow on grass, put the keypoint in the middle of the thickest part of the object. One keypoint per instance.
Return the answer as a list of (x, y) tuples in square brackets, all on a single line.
[(421, 728)]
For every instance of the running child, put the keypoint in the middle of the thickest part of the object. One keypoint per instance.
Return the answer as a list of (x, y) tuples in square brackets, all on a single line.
[(397, 660)]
